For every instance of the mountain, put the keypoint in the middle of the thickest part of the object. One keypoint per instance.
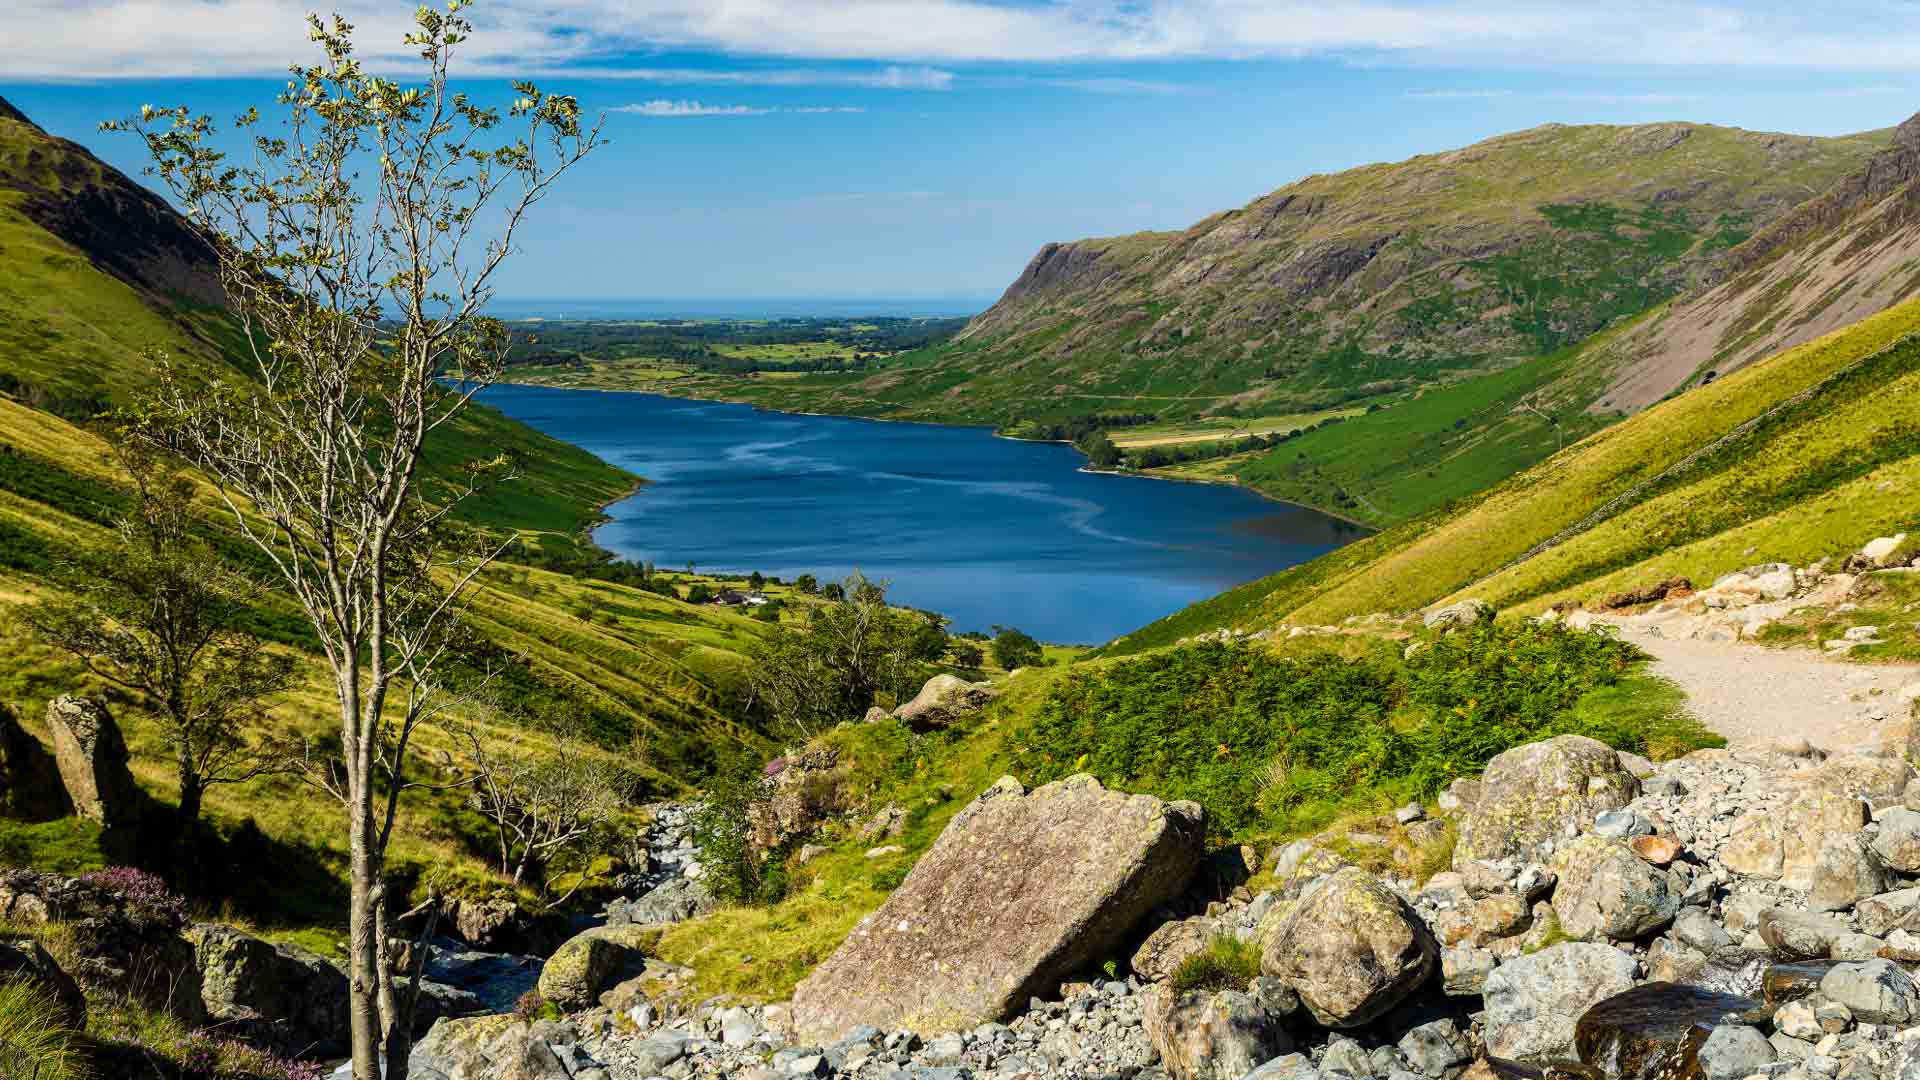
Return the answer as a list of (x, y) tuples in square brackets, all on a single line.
[(96, 271), (1803, 456), (1832, 260), (1456, 316)]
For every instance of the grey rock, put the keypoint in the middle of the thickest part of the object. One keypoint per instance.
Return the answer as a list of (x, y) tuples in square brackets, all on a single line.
[(1532, 1001), (1435, 1046), (1606, 890), (1533, 794), (1464, 971), (1875, 991), (1898, 841), (1889, 911), (1798, 935), (1734, 1051), (1844, 873)]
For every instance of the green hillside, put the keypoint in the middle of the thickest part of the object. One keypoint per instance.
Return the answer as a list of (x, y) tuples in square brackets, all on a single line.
[(1805, 455)]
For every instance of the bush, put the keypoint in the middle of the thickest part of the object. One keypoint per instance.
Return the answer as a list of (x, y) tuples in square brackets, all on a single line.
[(1227, 963), (733, 871), (1273, 743)]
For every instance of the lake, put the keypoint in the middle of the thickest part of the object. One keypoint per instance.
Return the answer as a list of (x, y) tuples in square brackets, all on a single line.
[(981, 529)]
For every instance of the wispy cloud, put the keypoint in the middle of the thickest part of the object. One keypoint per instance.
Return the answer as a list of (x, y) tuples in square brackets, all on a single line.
[(887, 78), (662, 107), (50, 39)]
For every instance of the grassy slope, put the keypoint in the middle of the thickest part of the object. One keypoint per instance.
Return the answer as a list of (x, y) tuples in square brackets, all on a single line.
[(1817, 478), (660, 675)]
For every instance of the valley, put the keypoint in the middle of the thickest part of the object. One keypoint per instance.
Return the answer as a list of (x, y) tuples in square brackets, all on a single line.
[(1521, 679)]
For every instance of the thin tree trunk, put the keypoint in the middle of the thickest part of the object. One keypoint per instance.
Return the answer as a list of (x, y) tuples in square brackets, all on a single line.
[(187, 827), (363, 951)]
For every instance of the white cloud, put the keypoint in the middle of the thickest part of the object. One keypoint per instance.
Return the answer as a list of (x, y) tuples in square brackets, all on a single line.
[(664, 108), (42, 39), (888, 78)]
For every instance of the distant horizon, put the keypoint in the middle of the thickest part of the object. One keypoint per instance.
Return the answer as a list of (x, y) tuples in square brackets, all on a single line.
[(515, 308)]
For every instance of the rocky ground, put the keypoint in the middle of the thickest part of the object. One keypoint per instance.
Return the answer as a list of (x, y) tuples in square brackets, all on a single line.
[(1727, 915)]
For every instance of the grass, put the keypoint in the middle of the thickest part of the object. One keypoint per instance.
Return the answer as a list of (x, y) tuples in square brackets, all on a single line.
[(35, 1041), (1227, 963), (1209, 428)]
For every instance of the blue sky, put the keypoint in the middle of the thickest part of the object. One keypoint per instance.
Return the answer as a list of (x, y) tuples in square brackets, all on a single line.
[(926, 148)]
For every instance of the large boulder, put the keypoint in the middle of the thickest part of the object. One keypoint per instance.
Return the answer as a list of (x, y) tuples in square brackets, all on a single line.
[(1533, 1001), (1608, 891), (1797, 935), (1351, 948), (1533, 795), (25, 960), (675, 901), (1464, 613), (281, 996), (1875, 991), (501, 924), (1021, 890), (943, 700), (798, 795), (485, 1048), (1655, 1030), (1898, 842), (92, 758), (1784, 844), (590, 963), (30, 788), (1212, 1036), (1845, 872)]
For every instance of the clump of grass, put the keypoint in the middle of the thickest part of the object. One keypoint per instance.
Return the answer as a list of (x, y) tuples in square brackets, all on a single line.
[(1435, 855), (35, 1040), (1227, 963)]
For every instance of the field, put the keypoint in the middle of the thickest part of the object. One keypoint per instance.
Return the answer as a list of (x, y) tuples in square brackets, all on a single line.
[(1209, 428)]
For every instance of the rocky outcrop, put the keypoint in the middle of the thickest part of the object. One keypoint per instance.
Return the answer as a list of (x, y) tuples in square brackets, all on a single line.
[(1534, 796), (1074, 866), (1455, 616), (1351, 948), (26, 960), (30, 788), (280, 996), (92, 758), (122, 934), (797, 796), (943, 700)]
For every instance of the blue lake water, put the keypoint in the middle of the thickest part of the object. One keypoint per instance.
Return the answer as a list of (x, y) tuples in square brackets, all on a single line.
[(982, 529)]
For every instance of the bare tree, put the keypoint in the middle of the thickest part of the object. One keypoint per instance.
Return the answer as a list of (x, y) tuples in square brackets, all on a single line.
[(543, 803), (153, 612), (357, 244)]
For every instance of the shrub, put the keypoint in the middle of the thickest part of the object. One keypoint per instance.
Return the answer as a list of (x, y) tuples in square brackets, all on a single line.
[(1281, 742), (530, 1006), (146, 895), (1227, 963)]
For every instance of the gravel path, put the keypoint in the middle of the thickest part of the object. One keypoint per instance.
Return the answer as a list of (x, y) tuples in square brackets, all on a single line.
[(1754, 695)]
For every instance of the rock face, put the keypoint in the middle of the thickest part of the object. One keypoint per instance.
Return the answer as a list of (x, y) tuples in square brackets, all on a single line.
[(30, 788), (1212, 1036), (676, 901), (1533, 1002), (1608, 891), (1532, 795), (92, 757), (1351, 949), (944, 699), (798, 795), (280, 996), (1072, 865), (588, 964), (27, 961)]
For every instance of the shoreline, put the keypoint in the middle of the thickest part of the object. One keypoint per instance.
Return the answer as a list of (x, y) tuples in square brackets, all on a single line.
[(1085, 466)]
